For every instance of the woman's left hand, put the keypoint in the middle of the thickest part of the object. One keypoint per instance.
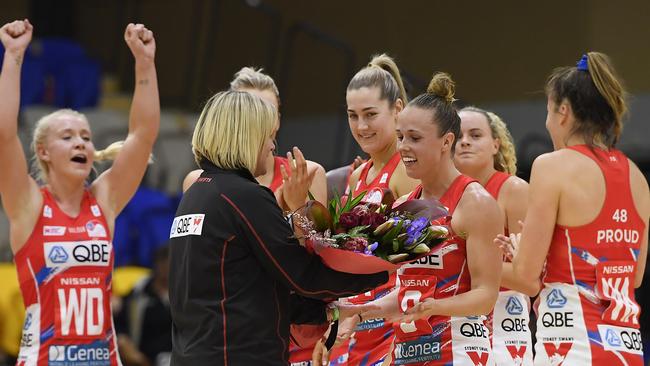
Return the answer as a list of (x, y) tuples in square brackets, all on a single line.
[(141, 42)]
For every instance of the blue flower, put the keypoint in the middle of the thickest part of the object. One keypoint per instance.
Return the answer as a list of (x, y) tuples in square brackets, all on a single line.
[(414, 230), (371, 248)]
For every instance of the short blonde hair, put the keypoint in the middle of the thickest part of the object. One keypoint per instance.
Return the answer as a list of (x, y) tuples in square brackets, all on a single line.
[(232, 129), (42, 130)]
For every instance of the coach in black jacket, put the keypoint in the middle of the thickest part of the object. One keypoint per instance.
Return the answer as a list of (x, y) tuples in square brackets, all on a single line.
[(233, 257)]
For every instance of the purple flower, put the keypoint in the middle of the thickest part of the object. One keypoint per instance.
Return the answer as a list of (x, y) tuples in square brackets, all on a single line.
[(414, 230), (371, 248)]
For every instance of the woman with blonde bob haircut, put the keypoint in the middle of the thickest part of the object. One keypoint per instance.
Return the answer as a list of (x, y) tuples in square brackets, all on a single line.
[(229, 229), (290, 189), (233, 138)]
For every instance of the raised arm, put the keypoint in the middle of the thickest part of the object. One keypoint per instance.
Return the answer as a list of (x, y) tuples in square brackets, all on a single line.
[(115, 187), (20, 194)]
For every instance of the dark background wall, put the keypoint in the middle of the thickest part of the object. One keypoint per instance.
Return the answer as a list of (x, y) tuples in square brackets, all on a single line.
[(498, 52)]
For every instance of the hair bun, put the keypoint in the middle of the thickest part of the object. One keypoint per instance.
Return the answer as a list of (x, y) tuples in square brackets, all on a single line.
[(442, 86)]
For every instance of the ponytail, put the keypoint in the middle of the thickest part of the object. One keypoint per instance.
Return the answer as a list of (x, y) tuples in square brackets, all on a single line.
[(596, 95), (382, 72)]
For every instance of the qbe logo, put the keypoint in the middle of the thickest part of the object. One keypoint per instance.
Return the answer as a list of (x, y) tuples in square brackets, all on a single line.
[(556, 299), (514, 306), (96, 354), (80, 253), (57, 255), (187, 225), (612, 338)]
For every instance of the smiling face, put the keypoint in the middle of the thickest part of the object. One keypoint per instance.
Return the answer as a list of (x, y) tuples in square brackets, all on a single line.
[(419, 143), (67, 149), (371, 119), (475, 148)]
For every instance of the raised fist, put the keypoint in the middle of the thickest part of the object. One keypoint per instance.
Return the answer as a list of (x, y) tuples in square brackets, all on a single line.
[(15, 36), (141, 42)]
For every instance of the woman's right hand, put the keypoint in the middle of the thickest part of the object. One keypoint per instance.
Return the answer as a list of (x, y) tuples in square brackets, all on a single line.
[(15, 36), (295, 186)]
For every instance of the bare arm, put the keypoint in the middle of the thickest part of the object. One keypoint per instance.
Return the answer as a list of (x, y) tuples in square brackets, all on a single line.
[(480, 217), (318, 186), (641, 195), (516, 193), (20, 193), (524, 273), (354, 177), (115, 187)]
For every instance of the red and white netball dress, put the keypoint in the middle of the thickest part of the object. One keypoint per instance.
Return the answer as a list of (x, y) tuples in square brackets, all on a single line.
[(65, 270), (587, 314), (511, 338), (372, 339), (440, 340), (276, 182)]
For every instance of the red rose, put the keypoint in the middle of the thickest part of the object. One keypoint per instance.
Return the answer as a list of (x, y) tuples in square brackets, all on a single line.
[(349, 220)]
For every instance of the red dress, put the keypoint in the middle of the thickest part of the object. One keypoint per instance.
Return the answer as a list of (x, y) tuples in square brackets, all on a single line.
[(372, 339), (586, 310), (65, 270), (276, 182), (440, 340), (511, 338)]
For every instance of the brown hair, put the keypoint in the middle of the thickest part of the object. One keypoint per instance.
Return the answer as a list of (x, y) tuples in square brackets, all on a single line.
[(597, 98), (439, 98), (382, 73), (505, 159)]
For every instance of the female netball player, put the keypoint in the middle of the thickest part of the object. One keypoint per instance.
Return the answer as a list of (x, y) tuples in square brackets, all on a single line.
[(60, 230), (485, 152), (584, 242), (375, 96), (447, 293)]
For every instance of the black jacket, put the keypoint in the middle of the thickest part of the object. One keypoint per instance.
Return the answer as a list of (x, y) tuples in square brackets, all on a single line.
[(232, 271)]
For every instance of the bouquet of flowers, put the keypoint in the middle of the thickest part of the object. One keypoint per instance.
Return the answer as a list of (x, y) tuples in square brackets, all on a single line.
[(355, 236)]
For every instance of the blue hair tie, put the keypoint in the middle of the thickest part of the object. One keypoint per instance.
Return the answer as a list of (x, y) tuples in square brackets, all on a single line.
[(583, 64)]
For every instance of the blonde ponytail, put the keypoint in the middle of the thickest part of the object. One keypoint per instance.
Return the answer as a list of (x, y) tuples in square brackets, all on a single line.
[(387, 64), (382, 72)]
